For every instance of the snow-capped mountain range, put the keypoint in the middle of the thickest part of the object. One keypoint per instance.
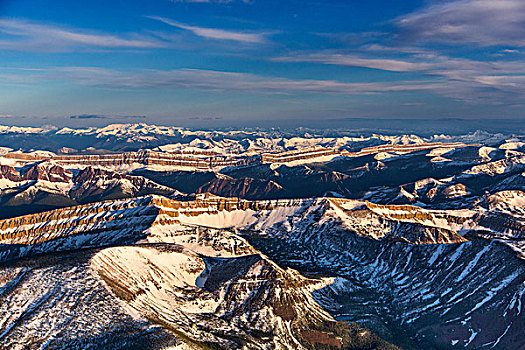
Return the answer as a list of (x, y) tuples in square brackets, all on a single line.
[(138, 236), (131, 137)]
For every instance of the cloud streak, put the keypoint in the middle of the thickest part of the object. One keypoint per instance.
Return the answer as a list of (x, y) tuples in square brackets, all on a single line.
[(23, 35), (353, 60), (216, 34), (411, 48), (466, 82), (87, 116), (426, 62), (481, 82), (219, 81), (103, 116), (483, 22)]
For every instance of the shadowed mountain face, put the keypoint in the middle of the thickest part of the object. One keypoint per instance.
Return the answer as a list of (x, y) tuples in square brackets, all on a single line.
[(44, 186), (263, 240), (412, 178)]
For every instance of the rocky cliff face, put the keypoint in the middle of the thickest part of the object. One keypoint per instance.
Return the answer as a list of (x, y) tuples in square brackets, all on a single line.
[(431, 277), (462, 294), (243, 188), (201, 159), (105, 221), (421, 242), (45, 171)]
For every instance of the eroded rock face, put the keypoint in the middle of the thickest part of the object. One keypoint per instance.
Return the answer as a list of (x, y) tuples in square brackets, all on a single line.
[(92, 184), (242, 188), (418, 296), (46, 185), (422, 276), (46, 171), (204, 159), (245, 302), (389, 173), (111, 222)]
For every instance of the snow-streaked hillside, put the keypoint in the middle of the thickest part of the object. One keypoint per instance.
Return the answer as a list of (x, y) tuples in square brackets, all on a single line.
[(57, 302), (385, 252), (165, 237), (208, 285)]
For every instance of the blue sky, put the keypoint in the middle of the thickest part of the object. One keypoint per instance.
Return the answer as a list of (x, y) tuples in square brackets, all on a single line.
[(200, 63)]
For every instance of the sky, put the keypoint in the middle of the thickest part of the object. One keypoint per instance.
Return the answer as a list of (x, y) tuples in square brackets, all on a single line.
[(227, 62)]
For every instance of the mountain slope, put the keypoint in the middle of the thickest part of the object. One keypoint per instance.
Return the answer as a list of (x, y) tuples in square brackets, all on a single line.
[(429, 277), (244, 302), (57, 302)]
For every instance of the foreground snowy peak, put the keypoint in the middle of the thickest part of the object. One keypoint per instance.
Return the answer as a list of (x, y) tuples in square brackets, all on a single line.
[(197, 267), (245, 302), (57, 302), (209, 286)]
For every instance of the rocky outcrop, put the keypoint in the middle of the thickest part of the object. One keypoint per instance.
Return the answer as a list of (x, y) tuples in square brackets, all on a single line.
[(201, 274), (245, 302), (93, 184), (243, 188), (111, 222), (129, 160), (299, 155), (44, 170), (45, 185)]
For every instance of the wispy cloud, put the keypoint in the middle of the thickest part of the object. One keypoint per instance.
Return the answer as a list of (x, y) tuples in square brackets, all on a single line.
[(483, 22), (411, 48), (353, 60), (424, 61), (218, 81), (470, 82), (88, 116), (19, 34), (458, 78), (510, 51), (217, 34)]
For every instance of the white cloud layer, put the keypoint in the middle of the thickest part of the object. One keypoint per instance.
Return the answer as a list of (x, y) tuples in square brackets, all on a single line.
[(217, 34)]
